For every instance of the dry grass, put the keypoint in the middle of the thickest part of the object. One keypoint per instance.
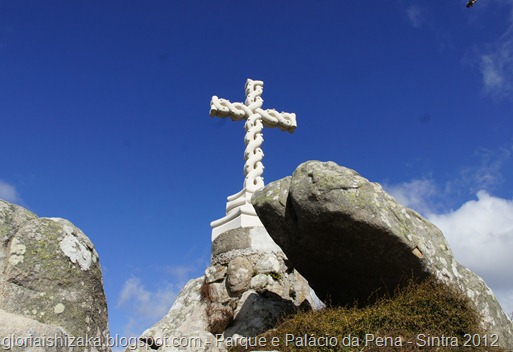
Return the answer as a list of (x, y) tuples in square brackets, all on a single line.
[(427, 308), (205, 292), (218, 315)]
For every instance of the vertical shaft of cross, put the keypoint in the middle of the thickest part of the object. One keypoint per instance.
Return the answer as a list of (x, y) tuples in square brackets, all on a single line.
[(253, 154), (239, 211)]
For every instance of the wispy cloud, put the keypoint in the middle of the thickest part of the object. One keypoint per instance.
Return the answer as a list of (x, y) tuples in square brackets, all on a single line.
[(180, 272), (8, 192), (416, 15), (496, 66), (495, 60), (144, 303), (421, 15), (416, 194), (487, 173), (144, 307)]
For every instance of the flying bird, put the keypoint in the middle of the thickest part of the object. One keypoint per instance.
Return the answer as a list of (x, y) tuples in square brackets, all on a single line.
[(471, 2)]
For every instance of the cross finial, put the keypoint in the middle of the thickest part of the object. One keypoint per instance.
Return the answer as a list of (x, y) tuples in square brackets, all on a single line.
[(256, 118)]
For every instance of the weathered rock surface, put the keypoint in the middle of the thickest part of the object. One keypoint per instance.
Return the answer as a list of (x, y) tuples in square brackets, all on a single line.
[(51, 274), (243, 293), (351, 240), (239, 274), (186, 315), (185, 326), (12, 218), (266, 289), (19, 333)]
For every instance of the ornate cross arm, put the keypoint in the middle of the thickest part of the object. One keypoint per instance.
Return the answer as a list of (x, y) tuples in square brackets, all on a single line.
[(224, 108), (283, 120), (238, 111)]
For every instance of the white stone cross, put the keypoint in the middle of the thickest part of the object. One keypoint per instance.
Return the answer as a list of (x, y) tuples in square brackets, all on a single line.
[(239, 211)]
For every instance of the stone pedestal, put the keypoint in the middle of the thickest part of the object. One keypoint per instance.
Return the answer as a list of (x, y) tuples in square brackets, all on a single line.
[(247, 288), (244, 238), (239, 214)]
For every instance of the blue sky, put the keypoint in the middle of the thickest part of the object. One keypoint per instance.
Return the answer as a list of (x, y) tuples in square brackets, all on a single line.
[(104, 121)]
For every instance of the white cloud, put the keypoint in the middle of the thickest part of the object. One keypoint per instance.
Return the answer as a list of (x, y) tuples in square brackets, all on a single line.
[(9, 193), (180, 272), (144, 307), (416, 194), (480, 234)]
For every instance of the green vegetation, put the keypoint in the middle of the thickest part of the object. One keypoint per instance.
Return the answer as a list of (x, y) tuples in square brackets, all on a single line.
[(421, 317), (275, 276)]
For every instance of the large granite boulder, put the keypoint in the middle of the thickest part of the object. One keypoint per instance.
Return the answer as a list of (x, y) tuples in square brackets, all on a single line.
[(50, 274), (352, 241)]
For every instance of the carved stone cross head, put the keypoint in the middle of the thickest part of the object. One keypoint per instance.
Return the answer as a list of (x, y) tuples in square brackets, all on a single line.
[(256, 118), (239, 211)]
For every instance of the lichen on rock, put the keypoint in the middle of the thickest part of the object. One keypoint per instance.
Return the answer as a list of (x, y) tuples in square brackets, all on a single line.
[(353, 241), (52, 274)]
